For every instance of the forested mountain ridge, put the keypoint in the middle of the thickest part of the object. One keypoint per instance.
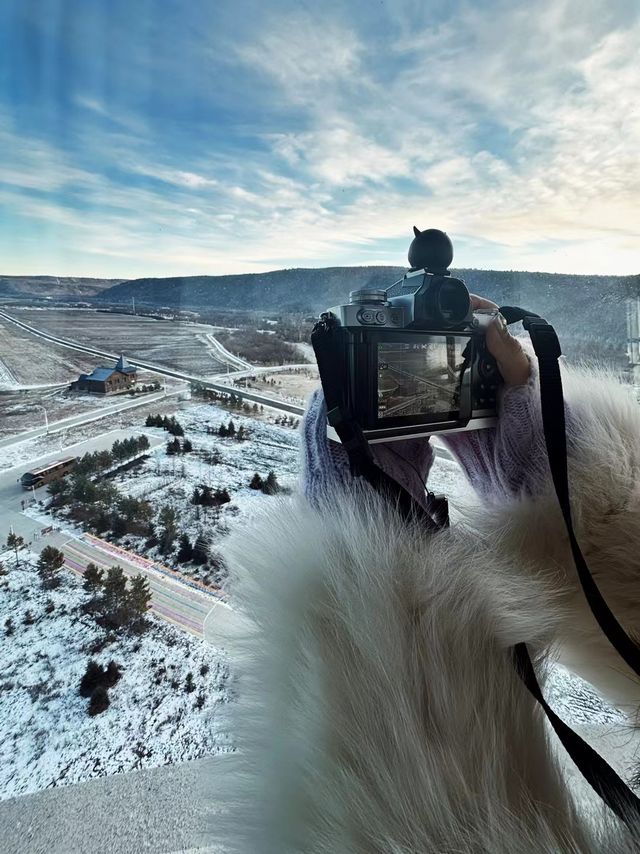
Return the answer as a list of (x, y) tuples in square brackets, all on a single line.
[(52, 287), (587, 311)]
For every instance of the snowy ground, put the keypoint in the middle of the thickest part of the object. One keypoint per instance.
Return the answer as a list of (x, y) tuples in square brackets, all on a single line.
[(46, 736), (170, 480), (31, 449), (22, 410)]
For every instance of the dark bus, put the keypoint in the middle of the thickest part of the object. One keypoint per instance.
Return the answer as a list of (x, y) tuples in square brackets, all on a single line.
[(45, 474)]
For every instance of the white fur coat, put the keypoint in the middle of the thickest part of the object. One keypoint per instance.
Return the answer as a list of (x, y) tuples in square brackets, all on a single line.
[(377, 709)]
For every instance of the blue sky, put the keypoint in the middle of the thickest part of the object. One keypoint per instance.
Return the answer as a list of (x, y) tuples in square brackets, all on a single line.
[(165, 138)]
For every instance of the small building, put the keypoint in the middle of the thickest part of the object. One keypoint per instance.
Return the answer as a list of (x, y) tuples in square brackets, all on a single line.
[(103, 380)]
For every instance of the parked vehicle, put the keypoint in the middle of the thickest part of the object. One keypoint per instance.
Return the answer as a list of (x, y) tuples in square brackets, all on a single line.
[(45, 474)]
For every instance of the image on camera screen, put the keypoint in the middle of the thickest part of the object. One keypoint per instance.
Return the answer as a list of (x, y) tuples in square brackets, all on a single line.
[(422, 378)]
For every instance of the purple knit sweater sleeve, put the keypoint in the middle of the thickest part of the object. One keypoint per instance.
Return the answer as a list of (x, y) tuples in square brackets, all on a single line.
[(325, 462), (510, 459), (500, 462)]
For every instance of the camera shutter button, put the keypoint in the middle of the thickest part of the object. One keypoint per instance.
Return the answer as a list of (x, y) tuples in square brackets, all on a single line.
[(381, 317)]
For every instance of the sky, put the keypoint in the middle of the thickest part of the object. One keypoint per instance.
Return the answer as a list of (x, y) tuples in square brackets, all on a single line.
[(163, 137)]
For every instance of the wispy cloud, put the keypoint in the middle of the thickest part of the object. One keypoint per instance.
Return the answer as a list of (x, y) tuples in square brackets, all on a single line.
[(320, 136)]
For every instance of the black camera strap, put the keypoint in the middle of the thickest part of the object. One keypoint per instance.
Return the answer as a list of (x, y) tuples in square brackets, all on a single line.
[(329, 349), (598, 773), (328, 346)]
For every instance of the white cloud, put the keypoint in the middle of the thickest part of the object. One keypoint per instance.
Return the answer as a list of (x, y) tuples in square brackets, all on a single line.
[(304, 54), (512, 127), (178, 177)]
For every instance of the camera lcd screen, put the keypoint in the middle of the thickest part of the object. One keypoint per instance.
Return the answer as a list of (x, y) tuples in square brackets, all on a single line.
[(422, 378)]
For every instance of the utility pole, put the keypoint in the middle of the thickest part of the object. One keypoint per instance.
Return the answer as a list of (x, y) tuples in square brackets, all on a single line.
[(133, 304)]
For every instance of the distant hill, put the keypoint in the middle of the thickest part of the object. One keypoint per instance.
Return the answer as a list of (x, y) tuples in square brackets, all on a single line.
[(279, 290), (52, 287), (588, 311)]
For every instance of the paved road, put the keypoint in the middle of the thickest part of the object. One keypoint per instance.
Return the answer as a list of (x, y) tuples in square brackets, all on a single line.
[(274, 369), (176, 598), (265, 400), (94, 415), (225, 356)]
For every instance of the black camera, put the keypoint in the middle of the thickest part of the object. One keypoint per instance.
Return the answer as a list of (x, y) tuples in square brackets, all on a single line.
[(414, 359)]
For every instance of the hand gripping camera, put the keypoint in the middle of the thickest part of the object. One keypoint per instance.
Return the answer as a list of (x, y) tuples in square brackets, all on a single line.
[(413, 358)]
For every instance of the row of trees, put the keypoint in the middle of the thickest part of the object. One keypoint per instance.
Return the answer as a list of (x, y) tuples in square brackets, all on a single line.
[(121, 451), (168, 423), (206, 497), (228, 399), (174, 447), (229, 431), (268, 485), (258, 347), (197, 553), (287, 421), (100, 506)]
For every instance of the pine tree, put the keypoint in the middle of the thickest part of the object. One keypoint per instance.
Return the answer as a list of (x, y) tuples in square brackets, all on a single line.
[(8, 627), (112, 674), (118, 525), (241, 433), (15, 542), (92, 578), (221, 496), (152, 540), (270, 486), (222, 431), (93, 676), (185, 549), (256, 482), (173, 447), (231, 428), (59, 490), (138, 601), (167, 518), (189, 685), (187, 447), (50, 562), (201, 550), (196, 498), (206, 497), (114, 598), (99, 701)]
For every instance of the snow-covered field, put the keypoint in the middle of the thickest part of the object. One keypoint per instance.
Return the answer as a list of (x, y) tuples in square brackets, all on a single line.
[(47, 737), (170, 480), (31, 449), (177, 344)]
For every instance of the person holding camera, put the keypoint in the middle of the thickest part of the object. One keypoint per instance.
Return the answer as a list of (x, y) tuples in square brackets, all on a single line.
[(379, 708)]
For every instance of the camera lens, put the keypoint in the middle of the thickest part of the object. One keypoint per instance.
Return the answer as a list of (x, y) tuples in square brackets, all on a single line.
[(452, 301)]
